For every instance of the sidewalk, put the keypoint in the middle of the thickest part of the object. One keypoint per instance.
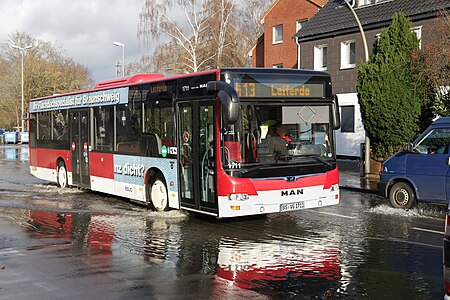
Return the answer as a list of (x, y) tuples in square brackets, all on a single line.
[(349, 177)]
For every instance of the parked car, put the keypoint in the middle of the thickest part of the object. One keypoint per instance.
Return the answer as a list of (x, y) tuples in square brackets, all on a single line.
[(421, 173)]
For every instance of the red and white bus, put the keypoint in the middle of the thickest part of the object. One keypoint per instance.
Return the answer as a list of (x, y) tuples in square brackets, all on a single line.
[(225, 142)]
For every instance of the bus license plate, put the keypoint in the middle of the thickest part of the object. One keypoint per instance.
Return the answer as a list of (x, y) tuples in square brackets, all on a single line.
[(292, 206)]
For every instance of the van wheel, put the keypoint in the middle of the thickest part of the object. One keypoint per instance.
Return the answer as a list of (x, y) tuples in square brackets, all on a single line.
[(402, 195), (158, 194), (61, 177)]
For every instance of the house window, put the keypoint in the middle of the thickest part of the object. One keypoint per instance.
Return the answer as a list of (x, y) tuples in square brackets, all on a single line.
[(320, 57), (300, 24), (348, 118), (418, 32), (348, 57), (277, 34), (368, 2), (278, 66)]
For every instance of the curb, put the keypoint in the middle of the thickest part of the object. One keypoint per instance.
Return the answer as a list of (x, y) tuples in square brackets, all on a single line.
[(358, 189)]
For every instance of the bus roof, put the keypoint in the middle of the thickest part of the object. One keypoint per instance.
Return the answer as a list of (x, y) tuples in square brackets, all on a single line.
[(276, 70), (127, 81), (148, 78), (138, 78)]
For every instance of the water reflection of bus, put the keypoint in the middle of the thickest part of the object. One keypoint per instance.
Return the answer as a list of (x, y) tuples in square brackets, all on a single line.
[(205, 142), (209, 263), (262, 265), (98, 232)]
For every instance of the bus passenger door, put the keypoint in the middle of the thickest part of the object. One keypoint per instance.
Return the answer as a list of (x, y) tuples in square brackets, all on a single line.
[(79, 132), (196, 155)]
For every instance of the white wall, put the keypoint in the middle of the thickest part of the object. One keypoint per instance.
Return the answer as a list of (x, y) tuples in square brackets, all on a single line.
[(348, 143)]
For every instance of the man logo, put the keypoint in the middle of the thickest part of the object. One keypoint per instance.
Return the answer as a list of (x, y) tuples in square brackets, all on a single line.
[(290, 178), (292, 192)]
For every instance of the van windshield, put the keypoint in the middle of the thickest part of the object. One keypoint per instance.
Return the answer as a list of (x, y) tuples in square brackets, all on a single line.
[(435, 142)]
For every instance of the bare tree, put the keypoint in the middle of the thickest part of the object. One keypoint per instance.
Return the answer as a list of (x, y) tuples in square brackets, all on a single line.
[(46, 72), (221, 28), (208, 33), (167, 56), (142, 65), (250, 13), (155, 19), (433, 63)]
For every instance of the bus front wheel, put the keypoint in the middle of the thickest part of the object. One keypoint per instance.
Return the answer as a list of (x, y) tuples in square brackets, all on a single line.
[(158, 194), (61, 175), (402, 195)]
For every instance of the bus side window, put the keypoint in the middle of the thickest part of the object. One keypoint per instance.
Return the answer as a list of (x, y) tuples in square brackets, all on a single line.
[(104, 130), (158, 121), (44, 126), (60, 125), (128, 128)]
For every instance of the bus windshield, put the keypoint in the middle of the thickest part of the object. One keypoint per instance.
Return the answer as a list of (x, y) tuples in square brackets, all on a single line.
[(276, 135)]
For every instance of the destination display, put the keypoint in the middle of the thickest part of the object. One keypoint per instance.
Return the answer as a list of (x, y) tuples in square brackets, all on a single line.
[(271, 90), (270, 86), (97, 98)]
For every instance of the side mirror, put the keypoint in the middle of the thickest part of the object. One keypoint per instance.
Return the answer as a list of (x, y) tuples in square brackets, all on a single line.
[(228, 99), (410, 147), (336, 114)]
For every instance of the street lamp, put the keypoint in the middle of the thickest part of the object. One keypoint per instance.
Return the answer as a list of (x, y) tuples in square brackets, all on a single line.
[(366, 56), (21, 50), (119, 44)]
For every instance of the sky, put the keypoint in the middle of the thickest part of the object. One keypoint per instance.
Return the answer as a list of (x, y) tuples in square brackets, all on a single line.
[(84, 29)]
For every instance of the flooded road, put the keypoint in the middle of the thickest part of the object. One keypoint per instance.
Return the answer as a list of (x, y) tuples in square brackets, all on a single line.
[(76, 244)]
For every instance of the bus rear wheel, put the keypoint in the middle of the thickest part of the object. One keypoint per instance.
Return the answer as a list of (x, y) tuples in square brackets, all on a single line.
[(402, 195), (61, 177), (158, 194)]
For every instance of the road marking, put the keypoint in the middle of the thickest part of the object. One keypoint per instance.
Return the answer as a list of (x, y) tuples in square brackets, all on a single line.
[(335, 215), (10, 251), (427, 230)]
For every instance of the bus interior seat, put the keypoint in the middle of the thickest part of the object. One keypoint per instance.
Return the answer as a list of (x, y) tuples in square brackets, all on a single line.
[(264, 153), (129, 147), (151, 145), (234, 150)]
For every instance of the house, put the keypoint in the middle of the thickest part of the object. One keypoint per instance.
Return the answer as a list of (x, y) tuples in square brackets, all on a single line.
[(332, 41), (276, 48)]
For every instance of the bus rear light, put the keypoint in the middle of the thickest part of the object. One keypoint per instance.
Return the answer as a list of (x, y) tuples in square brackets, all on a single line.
[(235, 207), (238, 197)]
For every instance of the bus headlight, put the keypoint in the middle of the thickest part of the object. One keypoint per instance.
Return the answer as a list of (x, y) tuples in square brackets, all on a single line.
[(238, 197)]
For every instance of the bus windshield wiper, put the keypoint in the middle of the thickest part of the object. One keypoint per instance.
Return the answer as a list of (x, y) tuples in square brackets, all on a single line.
[(320, 159), (255, 168)]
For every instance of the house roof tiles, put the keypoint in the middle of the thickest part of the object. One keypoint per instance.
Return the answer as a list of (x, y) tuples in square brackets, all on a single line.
[(335, 18)]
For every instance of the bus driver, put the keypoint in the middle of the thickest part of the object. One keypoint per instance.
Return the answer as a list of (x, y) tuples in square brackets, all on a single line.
[(278, 140)]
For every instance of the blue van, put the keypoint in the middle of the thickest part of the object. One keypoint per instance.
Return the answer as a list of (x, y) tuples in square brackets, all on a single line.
[(421, 173)]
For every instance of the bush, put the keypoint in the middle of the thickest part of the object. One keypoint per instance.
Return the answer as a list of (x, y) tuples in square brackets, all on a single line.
[(390, 97)]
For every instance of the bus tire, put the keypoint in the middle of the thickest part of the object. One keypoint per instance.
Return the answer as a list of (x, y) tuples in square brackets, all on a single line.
[(401, 195), (61, 175), (159, 198)]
